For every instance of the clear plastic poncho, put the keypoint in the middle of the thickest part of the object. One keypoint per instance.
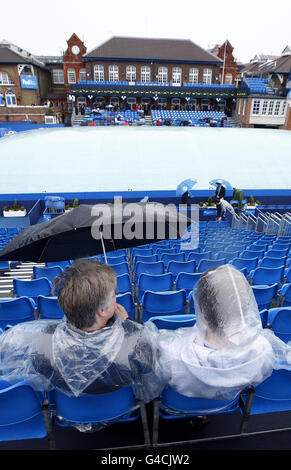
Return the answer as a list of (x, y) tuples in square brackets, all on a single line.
[(51, 354), (227, 349)]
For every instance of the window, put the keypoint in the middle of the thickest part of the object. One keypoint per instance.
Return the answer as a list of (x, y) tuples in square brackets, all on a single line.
[(256, 106), (99, 73), (283, 108), (162, 74), (207, 76), (265, 106), (145, 74), (58, 76), (228, 79), (82, 75), (277, 107), (10, 98), (176, 76), (113, 73), (71, 76), (2, 102), (271, 106), (50, 120), (5, 79), (193, 75), (131, 73), (244, 107)]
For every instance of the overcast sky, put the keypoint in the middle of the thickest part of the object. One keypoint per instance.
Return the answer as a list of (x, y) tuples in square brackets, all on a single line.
[(252, 26)]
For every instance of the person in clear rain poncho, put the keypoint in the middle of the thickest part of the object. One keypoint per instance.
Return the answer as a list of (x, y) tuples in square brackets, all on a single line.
[(95, 349), (227, 349)]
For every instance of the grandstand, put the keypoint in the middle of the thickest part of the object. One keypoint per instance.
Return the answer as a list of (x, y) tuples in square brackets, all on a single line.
[(152, 277)]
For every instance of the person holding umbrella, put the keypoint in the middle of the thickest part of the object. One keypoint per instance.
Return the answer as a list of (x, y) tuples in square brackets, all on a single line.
[(94, 349)]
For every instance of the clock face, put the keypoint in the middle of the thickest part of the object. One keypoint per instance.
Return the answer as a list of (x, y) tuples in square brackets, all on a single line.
[(75, 50)]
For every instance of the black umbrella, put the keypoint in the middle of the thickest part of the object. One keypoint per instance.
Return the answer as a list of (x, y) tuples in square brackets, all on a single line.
[(90, 230)]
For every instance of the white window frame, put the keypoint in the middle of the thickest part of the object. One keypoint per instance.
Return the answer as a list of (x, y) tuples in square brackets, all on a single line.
[(277, 108), (283, 109), (58, 76), (131, 73), (2, 100), (265, 107), (256, 105), (12, 97), (98, 73), (176, 75), (271, 108), (71, 75), (5, 79), (162, 74), (239, 106), (145, 74), (228, 79), (50, 120), (244, 107), (207, 76), (82, 75), (113, 73), (194, 75)]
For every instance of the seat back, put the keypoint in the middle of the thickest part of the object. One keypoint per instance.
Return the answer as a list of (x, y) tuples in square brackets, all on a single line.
[(279, 320), (119, 268), (33, 288), (264, 295), (49, 272), (241, 263), (123, 284), (154, 283), (20, 413), (187, 281), (206, 264), (94, 408), (148, 268), (167, 257), (127, 301), (16, 310), (176, 267), (268, 276), (268, 262), (274, 394), (172, 322), (48, 307), (163, 303), (272, 253), (62, 264)]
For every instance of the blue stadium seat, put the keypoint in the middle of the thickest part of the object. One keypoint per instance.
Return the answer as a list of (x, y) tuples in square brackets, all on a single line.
[(49, 272), (48, 307), (33, 288), (154, 283), (117, 406), (177, 267), (173, 322), (187, 281), (285, 295), (148, 268), (249, 264), (279, 319), (206, 264), (123, 284), (127, 301), (163, 303), (267, 276), (268, 262), (265, 294), (199, 256), (167, 257), (21, 415), (62, 264), (120, 268), (172, 406), (16, 310)]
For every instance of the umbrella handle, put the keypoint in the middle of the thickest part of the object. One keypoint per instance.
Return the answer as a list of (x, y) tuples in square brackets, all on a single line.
[(103, 247)]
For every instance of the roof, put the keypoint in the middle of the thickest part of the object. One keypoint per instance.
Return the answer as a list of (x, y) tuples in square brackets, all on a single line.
[(11, 54), (152, 49)]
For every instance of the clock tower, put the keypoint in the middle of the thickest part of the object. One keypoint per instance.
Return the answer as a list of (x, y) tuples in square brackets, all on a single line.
[(74, 66)]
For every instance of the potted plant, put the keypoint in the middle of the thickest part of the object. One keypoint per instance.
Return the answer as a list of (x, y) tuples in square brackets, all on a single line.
[(69, 207), (14, 211)]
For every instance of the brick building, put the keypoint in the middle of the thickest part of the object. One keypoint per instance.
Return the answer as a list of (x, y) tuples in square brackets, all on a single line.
[(165, 73), (229, 68), (267, 104)]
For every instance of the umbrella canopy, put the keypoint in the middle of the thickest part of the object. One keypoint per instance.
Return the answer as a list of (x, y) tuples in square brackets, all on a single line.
[(89, 230), (225, 183), (185, 185)]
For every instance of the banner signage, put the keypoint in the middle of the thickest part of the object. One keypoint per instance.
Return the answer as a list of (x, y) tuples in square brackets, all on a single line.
[(28, 81)]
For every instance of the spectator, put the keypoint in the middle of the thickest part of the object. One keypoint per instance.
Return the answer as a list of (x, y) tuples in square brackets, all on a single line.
[(227, 349), (95, 349)]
